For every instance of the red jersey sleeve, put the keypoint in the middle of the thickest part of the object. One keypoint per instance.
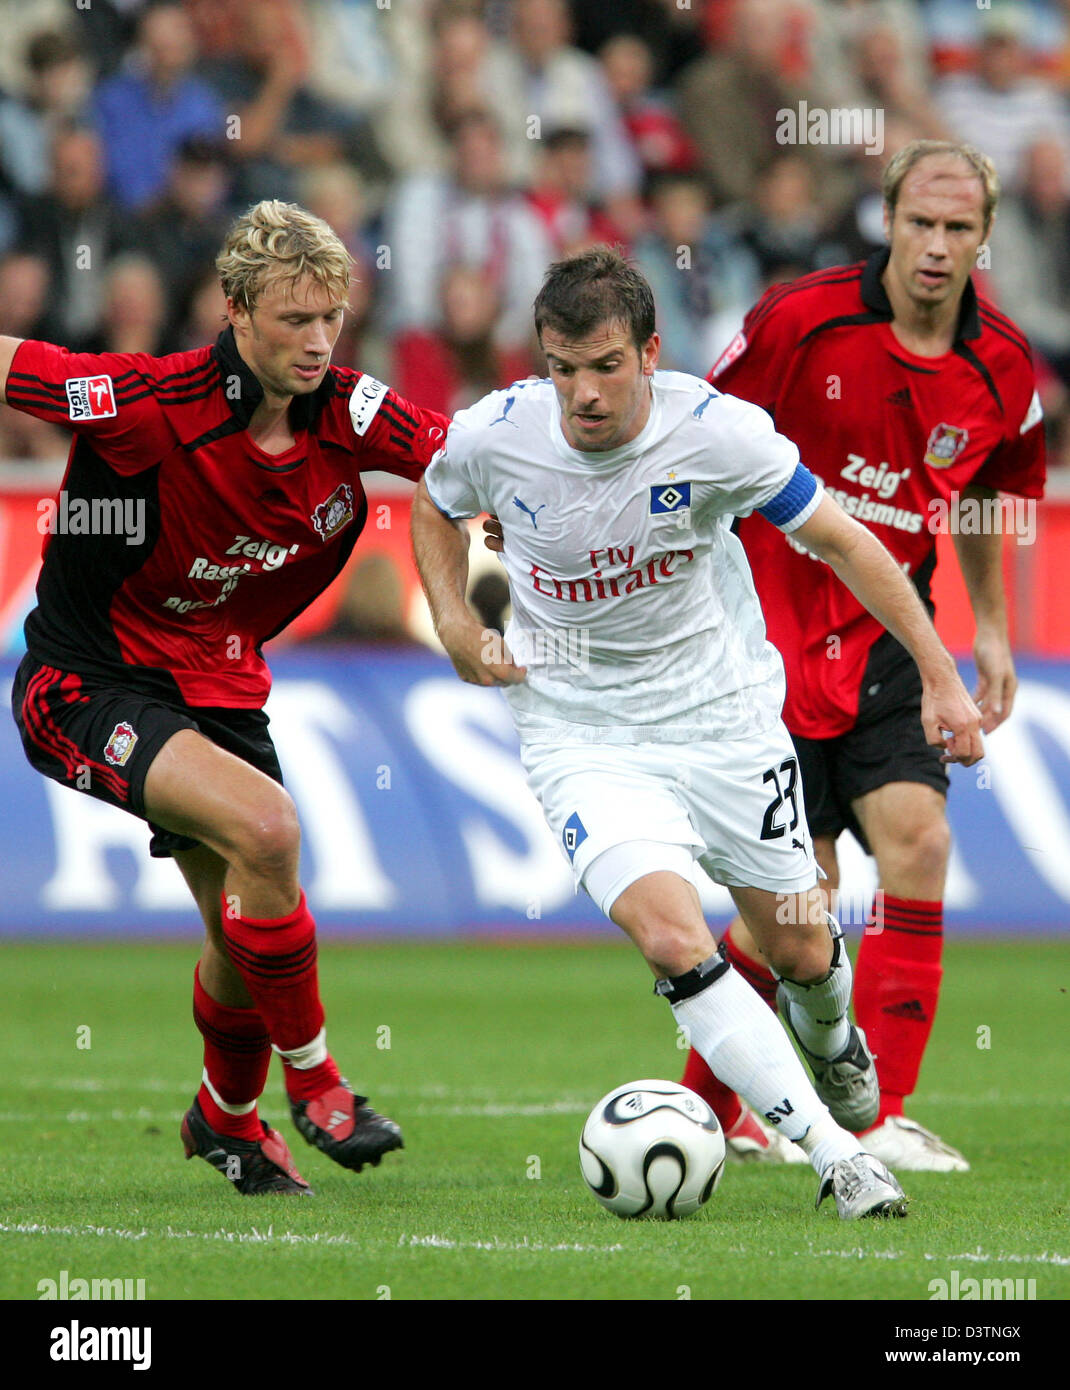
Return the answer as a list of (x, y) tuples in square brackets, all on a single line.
[(105, 396), (1019, 462), (755, 363), (388, 432)]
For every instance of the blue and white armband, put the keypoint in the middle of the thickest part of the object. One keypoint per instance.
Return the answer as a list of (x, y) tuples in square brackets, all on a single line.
[(796, 501)]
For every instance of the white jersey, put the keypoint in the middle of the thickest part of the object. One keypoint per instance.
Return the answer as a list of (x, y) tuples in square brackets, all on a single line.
[(633, 605)]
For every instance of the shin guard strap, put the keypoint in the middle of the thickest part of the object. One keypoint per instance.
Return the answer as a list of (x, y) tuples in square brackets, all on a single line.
[(680, 987)]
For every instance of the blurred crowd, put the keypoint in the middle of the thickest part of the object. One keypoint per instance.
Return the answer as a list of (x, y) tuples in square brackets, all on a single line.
[(458, 146)]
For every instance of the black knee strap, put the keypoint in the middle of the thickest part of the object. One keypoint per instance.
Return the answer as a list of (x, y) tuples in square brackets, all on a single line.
[(692, 982)]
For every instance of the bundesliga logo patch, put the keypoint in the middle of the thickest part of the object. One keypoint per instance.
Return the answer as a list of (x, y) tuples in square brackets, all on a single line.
[(121, 744), (735, 348), (669, 497), (90, 398), (330, 516), (945, 444)]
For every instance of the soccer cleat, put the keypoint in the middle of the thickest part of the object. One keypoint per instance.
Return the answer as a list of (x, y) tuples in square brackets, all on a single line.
[(848, 1083), (345, 1127), (254, 1169), (751, 1141), (912, 1147), (862, 1186)]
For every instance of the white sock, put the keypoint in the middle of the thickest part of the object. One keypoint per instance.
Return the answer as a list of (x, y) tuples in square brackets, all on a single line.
[(245, 1109), (311, 1055), (826, 1143), (742, 1043), (818, 1012)]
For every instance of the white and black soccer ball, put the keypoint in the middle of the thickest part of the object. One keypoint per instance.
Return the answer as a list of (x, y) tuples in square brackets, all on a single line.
[(652, 1148)]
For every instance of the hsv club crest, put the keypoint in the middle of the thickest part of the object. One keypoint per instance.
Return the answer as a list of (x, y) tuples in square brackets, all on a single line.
[(121, 744), (945, 444), (330, 516)]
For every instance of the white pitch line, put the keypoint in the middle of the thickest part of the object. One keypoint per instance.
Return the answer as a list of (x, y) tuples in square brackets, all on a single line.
[(503, 1111), (469, 1101), (269, 1237), (444, 1243), (464, 1100), (437, 1242), (490, 1110), (977, 1256)]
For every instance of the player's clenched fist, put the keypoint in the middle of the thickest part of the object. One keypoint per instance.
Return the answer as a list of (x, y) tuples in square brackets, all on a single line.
[(479, 654), (952, 721)]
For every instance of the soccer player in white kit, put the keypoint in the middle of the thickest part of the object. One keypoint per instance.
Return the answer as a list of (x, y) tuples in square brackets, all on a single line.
[(645, 695)]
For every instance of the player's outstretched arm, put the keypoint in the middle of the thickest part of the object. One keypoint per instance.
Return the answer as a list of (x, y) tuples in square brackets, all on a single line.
[(441, 549), (7, 353), (981, 563), (875, 579)]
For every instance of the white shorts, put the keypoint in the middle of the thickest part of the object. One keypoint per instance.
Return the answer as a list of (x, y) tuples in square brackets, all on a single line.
[(735, 804)]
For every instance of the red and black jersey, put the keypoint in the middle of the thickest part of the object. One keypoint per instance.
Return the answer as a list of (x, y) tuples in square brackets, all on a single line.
[(892, 436), (177, 546)]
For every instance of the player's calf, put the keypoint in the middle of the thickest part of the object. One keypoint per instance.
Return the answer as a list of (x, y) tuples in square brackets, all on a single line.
[(743, 1044), (816, 1014), (277, 961)]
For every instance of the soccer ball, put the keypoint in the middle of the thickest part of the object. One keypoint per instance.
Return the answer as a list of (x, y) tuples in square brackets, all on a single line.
[(652, 1148)]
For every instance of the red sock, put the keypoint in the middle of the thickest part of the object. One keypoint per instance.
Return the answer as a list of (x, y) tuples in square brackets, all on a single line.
[(237, 1054), (756, 973), (897, 985), (277, 960), (721, 1099)]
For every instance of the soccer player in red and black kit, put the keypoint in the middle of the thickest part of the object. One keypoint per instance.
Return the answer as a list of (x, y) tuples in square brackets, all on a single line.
[(905, 393), (144, 682)]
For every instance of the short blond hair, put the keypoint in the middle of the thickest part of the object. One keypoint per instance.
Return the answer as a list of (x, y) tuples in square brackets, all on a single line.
[(900, 165), (275, 240)]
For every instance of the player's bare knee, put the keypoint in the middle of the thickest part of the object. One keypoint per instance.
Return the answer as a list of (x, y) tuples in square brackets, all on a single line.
[(269, 842), (932, 847), (921, 849), (672, 947), (802, 953)]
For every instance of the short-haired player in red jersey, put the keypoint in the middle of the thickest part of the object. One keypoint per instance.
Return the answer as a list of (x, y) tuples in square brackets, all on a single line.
[(229, 479), (905, 393)]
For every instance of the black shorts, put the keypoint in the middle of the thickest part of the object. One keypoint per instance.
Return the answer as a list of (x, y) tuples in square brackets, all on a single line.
[(886, 744), (102, 739)]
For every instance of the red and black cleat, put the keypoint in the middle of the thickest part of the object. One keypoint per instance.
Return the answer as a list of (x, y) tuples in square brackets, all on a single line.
[(345, 1127), (254, 1169)]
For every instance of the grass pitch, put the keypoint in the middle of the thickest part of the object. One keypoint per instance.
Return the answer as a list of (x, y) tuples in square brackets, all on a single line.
[(490, 1057)]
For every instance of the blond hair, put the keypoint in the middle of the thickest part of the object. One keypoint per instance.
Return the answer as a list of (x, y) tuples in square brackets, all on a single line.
[(900, 165), (281, 241)]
